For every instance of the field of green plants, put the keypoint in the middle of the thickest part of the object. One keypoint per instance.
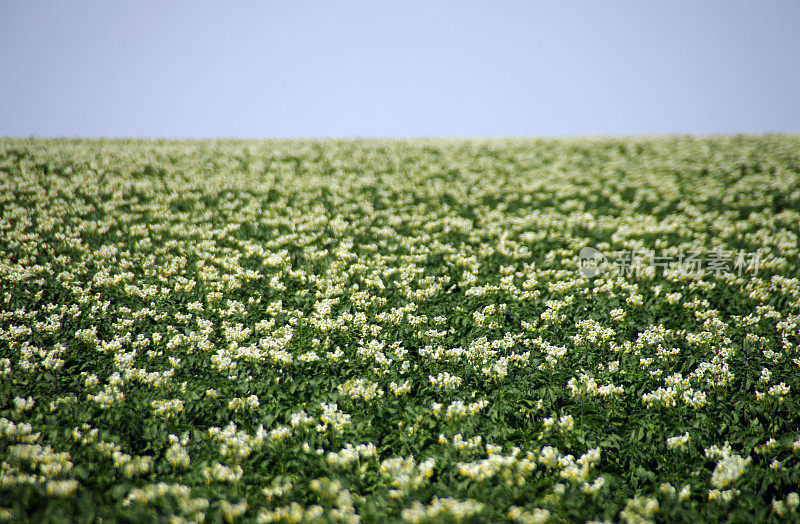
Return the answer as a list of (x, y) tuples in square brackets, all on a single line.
[(522, 331)]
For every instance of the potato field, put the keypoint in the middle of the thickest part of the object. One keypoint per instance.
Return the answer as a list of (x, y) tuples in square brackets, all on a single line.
[(427, 330)]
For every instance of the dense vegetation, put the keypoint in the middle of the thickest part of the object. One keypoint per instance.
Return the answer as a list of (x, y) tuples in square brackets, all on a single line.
[(400, 330)]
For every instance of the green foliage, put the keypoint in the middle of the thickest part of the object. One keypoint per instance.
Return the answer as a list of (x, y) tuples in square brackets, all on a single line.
[(399, 330)]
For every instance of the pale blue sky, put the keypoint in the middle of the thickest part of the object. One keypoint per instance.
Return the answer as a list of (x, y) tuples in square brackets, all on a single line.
[(175, 68)]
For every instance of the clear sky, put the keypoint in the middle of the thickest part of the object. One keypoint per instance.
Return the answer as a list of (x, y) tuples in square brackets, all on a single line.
[(176, 68)]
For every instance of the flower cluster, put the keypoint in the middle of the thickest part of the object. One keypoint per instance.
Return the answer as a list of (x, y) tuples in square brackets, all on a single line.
[(359, 388), (439, 508), (445, 380)]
